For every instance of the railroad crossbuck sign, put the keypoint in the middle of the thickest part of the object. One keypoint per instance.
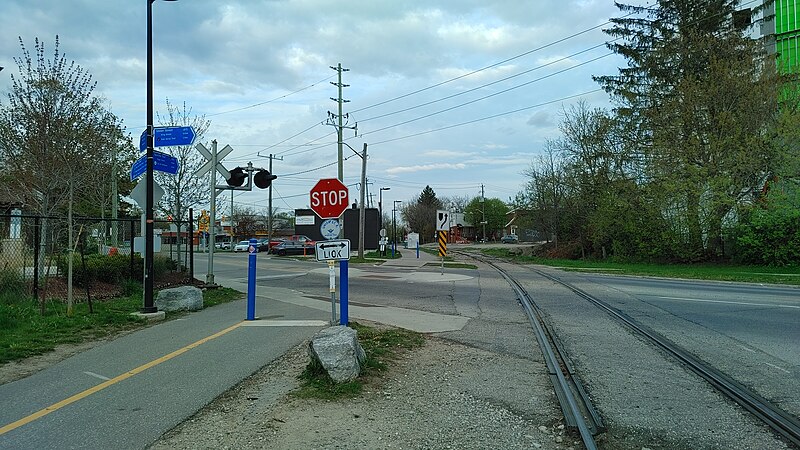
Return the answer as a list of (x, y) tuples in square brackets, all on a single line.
[(329, 198), (338, 249)]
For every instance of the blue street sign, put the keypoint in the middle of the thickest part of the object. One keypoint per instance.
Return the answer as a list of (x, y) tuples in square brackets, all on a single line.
[(168, 136), (139, 167), (165, 163), (161, 162)]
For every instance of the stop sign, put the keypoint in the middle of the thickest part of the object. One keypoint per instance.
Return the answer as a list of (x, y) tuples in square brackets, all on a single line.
[(329, 198)]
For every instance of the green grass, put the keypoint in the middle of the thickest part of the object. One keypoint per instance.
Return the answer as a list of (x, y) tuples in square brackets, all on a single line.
[(704, 271), (25, 332), (374, 257), (382, 347)]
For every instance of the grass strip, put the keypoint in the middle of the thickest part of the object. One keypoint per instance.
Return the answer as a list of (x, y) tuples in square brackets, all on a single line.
[(25, 332), (382, 347), (700, 271)]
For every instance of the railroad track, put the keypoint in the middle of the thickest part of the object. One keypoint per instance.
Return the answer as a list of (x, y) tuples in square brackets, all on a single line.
[(780, 421), (576, 406)]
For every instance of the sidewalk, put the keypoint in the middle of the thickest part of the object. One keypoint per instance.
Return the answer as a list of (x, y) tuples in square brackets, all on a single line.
[(410, 260)]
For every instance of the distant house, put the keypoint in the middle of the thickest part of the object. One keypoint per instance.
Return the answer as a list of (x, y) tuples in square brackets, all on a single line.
[(519, 222), (461, 231)]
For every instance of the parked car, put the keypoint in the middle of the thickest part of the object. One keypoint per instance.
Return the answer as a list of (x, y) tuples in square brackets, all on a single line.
[(223, 245), (266, 245), (301, 238), (242, 246), (290, 247), (509, 239)]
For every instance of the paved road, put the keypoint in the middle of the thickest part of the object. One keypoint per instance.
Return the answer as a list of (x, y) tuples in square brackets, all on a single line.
[(748, 331)]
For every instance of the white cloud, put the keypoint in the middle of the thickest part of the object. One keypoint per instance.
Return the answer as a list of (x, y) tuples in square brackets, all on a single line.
[(425, 168)]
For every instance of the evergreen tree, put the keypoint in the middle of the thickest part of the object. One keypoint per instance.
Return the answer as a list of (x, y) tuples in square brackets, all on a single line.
[(701, 96)]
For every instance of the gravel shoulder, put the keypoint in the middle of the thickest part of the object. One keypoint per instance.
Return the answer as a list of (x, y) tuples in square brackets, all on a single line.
[(442, 395)]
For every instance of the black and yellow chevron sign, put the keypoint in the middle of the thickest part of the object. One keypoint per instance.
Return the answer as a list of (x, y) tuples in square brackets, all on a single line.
[(443, 243)]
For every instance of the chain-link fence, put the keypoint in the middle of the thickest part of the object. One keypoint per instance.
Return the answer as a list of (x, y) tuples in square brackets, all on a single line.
[(44, 258)]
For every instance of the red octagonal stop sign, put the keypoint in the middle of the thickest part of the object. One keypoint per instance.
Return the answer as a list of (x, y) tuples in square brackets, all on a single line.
[(329, 198)]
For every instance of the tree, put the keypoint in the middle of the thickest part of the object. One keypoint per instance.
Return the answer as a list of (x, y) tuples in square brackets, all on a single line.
[(54, 136), (456, 203), (492, 209), (420, 214), (703, 97)]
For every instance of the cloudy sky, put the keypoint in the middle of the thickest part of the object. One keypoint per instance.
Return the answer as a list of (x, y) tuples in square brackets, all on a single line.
[(448, 93)]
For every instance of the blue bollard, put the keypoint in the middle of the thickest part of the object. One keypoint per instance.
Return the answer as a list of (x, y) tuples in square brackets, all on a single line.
[(343, 292), (251, 280)]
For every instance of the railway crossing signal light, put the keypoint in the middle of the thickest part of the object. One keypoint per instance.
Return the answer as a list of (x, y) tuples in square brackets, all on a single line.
[(238, 177), (263, 179)]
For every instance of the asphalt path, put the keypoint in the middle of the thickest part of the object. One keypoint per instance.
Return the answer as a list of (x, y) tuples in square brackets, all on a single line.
[(125, 393)]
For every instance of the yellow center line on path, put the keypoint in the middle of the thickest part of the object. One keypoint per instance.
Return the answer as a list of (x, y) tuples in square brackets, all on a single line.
[(56, 406)]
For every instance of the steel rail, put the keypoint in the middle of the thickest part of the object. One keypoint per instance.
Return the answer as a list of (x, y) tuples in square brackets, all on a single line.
[(569, 404), (777, 419)]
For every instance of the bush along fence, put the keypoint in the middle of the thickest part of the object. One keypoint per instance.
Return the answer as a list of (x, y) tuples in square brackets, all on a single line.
[(43, 258)]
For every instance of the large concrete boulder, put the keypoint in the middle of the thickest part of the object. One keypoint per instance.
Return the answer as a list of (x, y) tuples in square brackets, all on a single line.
[(338, 351), (180, 298)]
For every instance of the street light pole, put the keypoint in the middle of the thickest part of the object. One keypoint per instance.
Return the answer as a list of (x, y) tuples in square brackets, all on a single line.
[(148, 231), (394, 227), (380, 202)]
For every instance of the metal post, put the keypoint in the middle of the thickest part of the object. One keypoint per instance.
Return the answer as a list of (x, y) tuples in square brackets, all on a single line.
[(148, 234), (36, 238), (251, 279), (133, 233), (269, 205), (212, 235), (191, 246), (344, 294), (332, 288)]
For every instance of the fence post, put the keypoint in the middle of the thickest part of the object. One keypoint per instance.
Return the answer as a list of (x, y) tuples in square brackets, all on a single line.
[(36, 237), (133, 233), (190, 244)]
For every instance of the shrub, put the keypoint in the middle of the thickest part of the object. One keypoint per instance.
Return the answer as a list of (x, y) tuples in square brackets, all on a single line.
[(769, 237)]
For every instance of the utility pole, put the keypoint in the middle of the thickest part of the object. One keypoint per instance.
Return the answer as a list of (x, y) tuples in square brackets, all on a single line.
[(361, 212), (269, 205), (339, 124), (483, 213)]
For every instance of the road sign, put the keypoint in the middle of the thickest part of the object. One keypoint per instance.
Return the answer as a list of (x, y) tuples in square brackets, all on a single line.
[(330, 228), (329, 198), (332, 250), (139, 193), (442, 243), (168, 136), (161, 162), (442, 220), (207, 166)]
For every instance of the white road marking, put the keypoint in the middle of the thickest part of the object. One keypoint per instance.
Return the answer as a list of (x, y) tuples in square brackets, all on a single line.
[(97, 376), (747, 348), (285, 323), (779, 368), (776, 305)]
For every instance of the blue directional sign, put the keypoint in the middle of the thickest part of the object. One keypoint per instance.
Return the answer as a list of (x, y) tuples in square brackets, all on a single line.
[(139, 167), (165, 163), (161, 162), (167, 136)]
